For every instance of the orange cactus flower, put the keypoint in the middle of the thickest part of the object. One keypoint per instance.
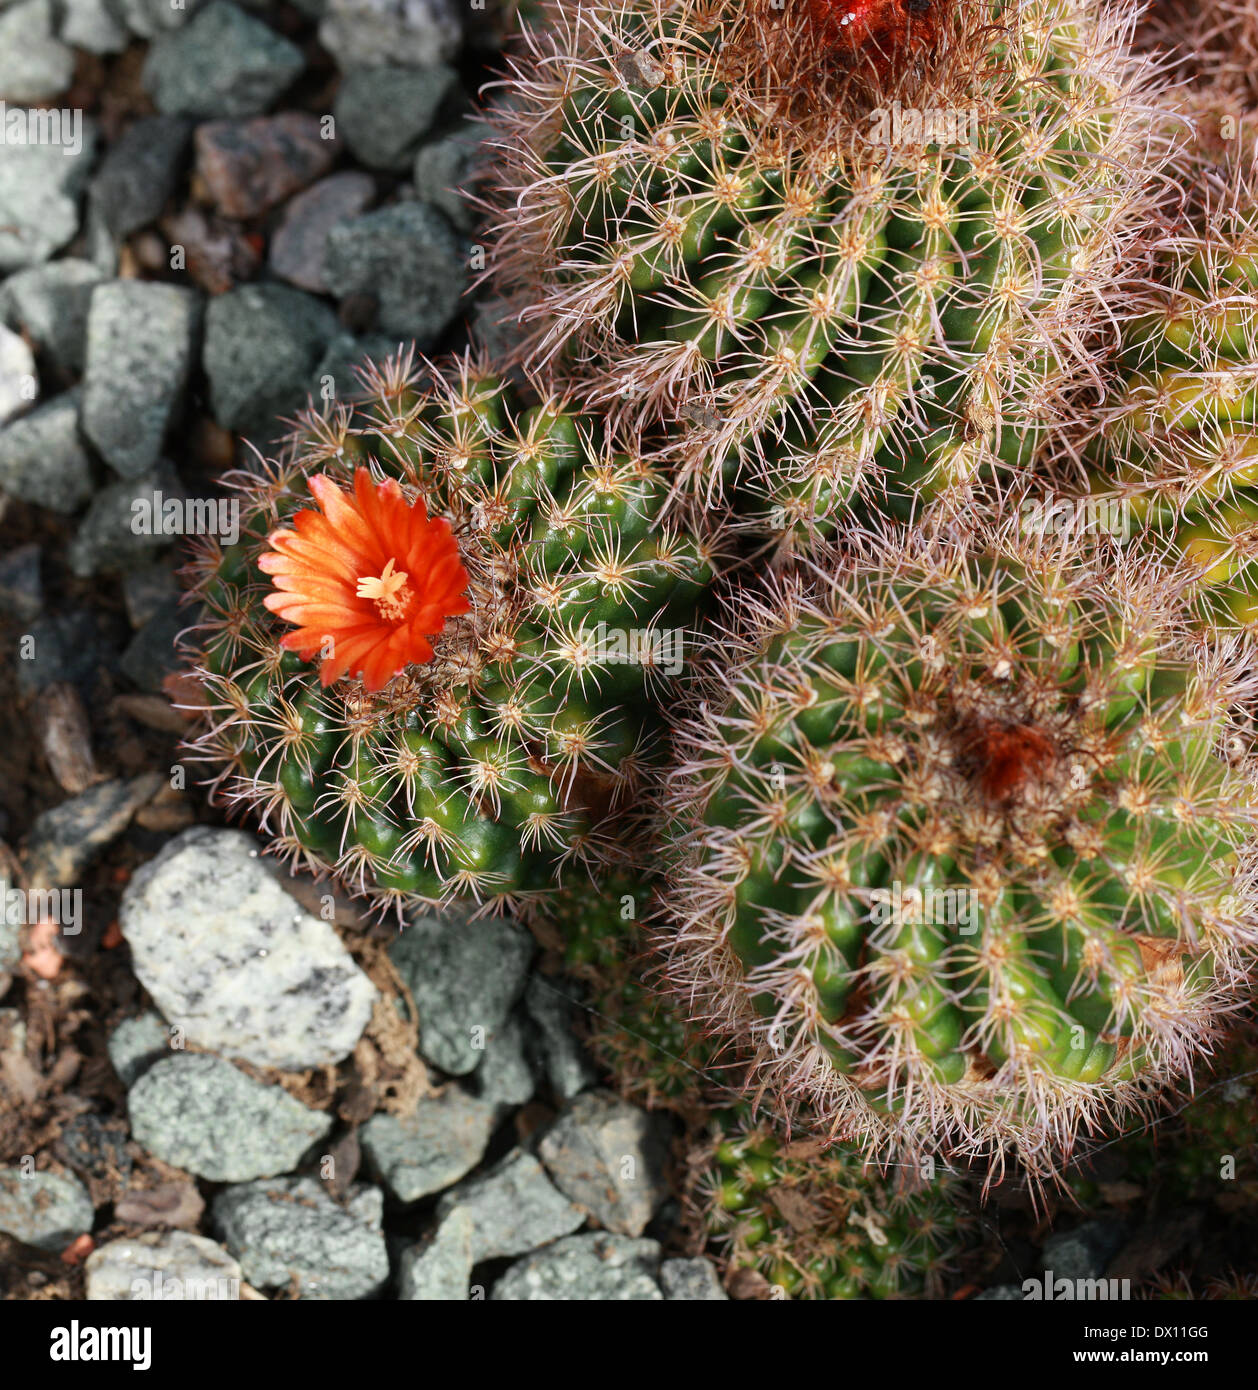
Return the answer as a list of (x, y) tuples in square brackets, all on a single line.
[(370, 578)]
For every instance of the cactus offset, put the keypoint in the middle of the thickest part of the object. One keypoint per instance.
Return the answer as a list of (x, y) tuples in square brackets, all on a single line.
[(703, 220), (955, 849), (819, 1223), (487, 766)]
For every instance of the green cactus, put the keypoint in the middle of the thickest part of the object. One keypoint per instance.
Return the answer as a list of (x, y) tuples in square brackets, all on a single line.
[(1175, 441), (508, 751), (820, 1223), (704, 219), (955, 850)]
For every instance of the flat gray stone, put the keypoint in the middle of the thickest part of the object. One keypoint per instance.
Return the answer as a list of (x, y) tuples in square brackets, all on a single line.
[(34, 64), (152, 654), (200, 1113), (383, 113), (444, 170), (44, 165), (299, 246), (231, 958), (139, 173), (262, 343), (567, 1067), (45, 1209), (426, 1152), (66, 838), (513, 1208), (93, 26), (464, 976), (594, 1266), (289, 1232), (136, 1043), (146, 592), (19, 381), (439, 1269), (1085, 1251), (50, 303), (42, 458), (691, 1281), (222, 64), (113, 536), (380, 33), (74, 646), (406, 258), (609, 1157), (174, 1266), (141, 343)]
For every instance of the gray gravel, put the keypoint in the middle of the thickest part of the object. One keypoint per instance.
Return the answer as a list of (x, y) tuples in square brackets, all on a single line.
[(505, 1076), (426, 1152), (465, 976), (19, 381), (199, 1113), (107, 542), (139, 173), (262, 344), (66, 838), (594, 1266), (287, 1232), (441, 1267), (567, 1067), (383, 113), (442, 168), (34, 64), (299, 246), (232, 959), (380, 33), (42, 458), (148, 18), (39, 189), (408, 259), (45, 1209), (92, 25), (223, 64), (141, 342), (136, 1043), (174, 1266), (609, 1157), (691, 1281), (513, 1207), (50, 303)]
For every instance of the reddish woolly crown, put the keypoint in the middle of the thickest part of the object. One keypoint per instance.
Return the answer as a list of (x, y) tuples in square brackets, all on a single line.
[(879, 31), (367, 580)]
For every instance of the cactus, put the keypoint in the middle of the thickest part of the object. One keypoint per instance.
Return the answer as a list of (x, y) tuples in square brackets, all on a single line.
[(474, 749), (1173, 440), (955, 847), (819, 1223), (704, 219), (638, 1036)]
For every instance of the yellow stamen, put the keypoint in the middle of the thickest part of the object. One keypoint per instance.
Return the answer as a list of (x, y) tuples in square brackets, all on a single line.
[(389, 591)]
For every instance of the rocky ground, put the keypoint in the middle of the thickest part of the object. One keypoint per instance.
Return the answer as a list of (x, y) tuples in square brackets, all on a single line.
[(225, 1079)]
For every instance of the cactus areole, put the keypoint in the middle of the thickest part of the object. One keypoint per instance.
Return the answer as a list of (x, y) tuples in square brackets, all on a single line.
[(960, 856)]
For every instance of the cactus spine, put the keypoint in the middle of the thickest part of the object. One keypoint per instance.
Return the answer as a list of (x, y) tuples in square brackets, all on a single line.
[(955, 851)]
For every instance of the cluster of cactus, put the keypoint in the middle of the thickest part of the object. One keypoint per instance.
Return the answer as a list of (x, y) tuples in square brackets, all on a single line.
[(764, 281), (487, 768), (857, 301)]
